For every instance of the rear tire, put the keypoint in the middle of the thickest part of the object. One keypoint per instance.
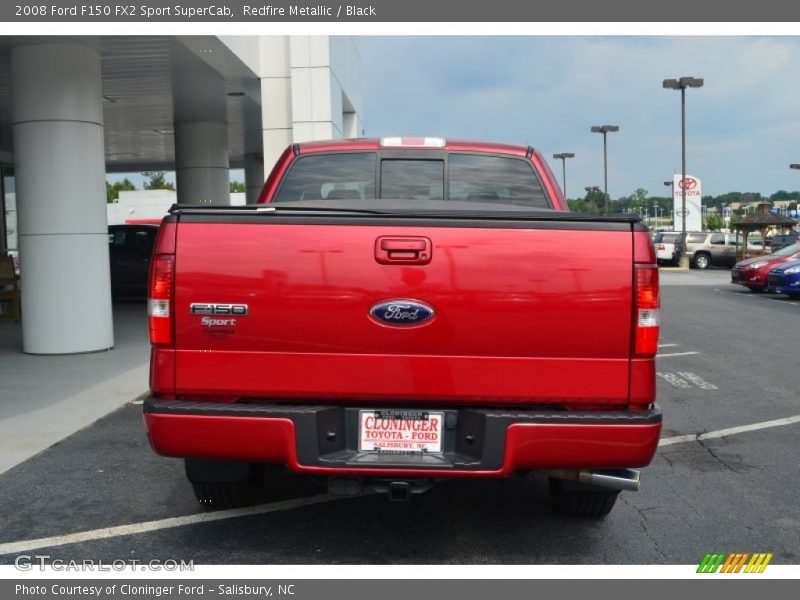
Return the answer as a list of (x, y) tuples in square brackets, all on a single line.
[(579, 500), (702, 261), (793, 295)]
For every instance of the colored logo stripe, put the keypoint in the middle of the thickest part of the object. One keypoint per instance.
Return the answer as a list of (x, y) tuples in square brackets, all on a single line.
[(758, 563), (735, 562), (738, 562), (710, 563)]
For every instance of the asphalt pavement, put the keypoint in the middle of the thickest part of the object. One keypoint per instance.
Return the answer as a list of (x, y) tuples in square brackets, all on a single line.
[(727, 361)]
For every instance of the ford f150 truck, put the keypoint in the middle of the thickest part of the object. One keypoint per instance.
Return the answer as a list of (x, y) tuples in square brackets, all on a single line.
[(394, 312)]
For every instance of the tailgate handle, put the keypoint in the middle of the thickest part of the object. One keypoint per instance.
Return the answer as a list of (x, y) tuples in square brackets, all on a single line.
[(403, 250)]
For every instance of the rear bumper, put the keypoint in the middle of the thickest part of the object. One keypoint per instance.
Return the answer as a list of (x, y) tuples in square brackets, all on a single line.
[(322, 439)]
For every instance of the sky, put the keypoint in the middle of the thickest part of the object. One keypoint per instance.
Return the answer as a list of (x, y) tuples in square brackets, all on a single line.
[(742, 127)]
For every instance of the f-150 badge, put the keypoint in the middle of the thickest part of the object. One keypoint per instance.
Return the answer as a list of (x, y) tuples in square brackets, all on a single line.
[(402, 313), (217, 319), (235, 310)]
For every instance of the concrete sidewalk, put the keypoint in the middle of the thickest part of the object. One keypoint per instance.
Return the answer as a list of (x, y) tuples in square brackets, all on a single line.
[(44, 399)]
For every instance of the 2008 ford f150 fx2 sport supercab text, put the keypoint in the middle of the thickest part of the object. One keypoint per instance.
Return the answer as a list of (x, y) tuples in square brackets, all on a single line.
[(398, 311)]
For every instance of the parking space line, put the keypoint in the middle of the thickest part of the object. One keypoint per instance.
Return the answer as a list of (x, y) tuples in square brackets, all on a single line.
[(148, 526), (710, 435), (686, 379), (676, 354), (763, 297), (667, 345)]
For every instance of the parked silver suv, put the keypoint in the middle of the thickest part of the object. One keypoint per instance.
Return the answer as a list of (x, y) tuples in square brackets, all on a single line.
[(711, 248)]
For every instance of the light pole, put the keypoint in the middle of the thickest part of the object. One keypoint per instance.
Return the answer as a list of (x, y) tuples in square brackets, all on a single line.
[(671, 186), (563, 156), (681, 84), (605, 129)]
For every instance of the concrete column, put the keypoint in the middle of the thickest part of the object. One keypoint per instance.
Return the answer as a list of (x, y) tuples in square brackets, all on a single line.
[(201, 163), (57, 120), (350, 125), (310, 90), (253, 176), (276, 97), (201, 130), (316, 93)]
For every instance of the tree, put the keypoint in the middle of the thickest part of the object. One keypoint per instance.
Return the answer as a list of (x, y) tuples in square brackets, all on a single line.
[(237, 187), (714, 222), (158, 181), (113, 190), (591, 203), (638, 199), (581, 205), (781, 195)]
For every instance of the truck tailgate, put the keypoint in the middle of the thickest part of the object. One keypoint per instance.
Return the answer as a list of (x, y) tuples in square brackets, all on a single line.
[(532, 313)]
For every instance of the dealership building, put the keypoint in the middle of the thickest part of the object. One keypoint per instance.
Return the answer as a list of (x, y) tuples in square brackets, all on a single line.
[(74, 109)]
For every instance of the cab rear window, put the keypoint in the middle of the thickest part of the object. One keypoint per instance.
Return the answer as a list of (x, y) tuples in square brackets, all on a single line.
[(342, 176), (417, 179), (454, 176), (477, 178)]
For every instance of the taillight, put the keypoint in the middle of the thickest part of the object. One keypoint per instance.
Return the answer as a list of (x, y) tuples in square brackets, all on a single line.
[(647, 314), (661, 247), (159, 299)]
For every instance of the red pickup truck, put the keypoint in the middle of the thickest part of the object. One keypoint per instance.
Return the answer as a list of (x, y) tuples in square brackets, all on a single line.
[(394, 312)]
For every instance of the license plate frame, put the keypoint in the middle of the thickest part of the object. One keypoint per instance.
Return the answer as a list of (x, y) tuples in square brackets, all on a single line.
[(393, 431)]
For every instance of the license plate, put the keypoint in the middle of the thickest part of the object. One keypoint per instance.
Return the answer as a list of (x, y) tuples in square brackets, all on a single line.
[(400, 431)]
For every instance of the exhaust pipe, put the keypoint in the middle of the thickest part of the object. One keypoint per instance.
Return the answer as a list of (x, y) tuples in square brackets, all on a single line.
[(614, 479), (623, 479)]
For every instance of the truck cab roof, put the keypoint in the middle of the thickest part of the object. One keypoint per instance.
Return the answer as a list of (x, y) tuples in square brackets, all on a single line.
[(412, 143)]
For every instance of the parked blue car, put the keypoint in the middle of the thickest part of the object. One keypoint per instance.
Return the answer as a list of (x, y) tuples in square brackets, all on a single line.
[(785, 279)]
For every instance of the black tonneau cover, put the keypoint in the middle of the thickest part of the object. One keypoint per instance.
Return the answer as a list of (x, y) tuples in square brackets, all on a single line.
[(413, 210)]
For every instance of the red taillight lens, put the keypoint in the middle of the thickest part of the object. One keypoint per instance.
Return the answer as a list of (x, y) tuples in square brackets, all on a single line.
[(159, 301), (647, 315), (661, 247), (647, 287)]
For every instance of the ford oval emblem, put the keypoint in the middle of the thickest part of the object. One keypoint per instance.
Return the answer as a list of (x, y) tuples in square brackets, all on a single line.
[(402, 313)]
